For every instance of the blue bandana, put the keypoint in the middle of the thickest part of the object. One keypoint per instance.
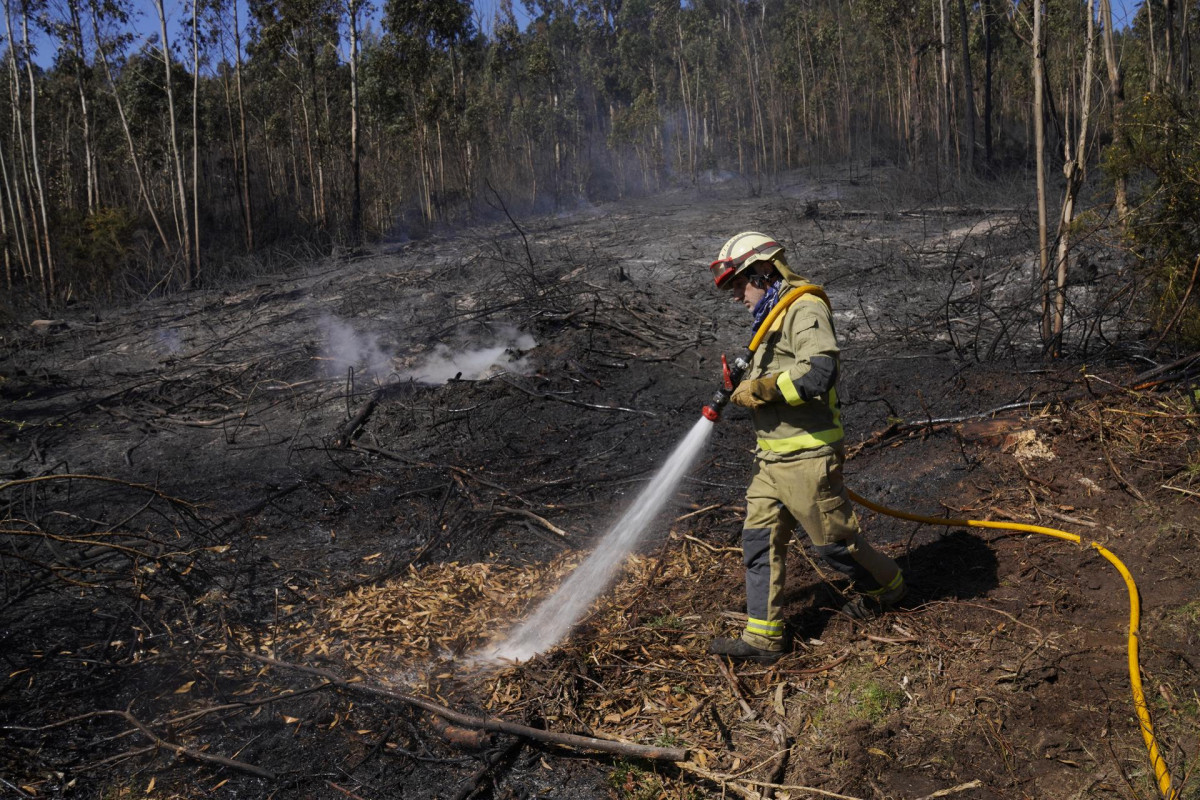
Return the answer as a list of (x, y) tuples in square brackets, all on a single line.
[(768, 301)]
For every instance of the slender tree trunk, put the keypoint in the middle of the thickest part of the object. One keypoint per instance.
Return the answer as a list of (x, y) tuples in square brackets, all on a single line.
[(13, 236), (17, 184), (312, 167), (133, 155), (48, 278), (89, 158), (944, 94), (1116, 87), (844, 96), (917, 138), (356, 199), (316, 131), (1039, 142), (247, 206), (987, 80), (968, 88), (5, 253), (1152, 46), (1073, 167), (1169, 41), (181, 210), (196, 136), (1185, 53)]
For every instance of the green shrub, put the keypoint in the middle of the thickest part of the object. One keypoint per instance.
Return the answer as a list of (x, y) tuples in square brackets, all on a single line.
[(1159, 158)]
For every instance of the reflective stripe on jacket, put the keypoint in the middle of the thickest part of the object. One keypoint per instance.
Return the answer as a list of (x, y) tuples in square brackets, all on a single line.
[(795, 427)]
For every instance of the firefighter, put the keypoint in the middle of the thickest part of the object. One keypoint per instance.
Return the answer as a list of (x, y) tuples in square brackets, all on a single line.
[(790, 388)]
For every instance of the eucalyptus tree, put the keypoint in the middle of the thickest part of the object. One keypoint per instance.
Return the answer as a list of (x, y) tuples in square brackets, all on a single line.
[(354, 9), (638, 94), (17, 223), (100, 13), (1038, 73), (69, 32), (1075, 156), (293, 53), (183, 219), (31, 188), (553, 114), (1116, 89), (968, 86), (227, 28), (414, 78)]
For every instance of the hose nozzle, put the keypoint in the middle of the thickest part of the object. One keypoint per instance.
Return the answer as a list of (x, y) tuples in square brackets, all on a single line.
[(731, 377)]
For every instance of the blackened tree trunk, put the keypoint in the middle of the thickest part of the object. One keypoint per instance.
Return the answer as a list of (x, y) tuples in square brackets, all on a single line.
[(968, 88)]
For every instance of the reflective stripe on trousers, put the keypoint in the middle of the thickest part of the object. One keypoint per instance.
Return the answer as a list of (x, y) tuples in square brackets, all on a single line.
[(809, 491)]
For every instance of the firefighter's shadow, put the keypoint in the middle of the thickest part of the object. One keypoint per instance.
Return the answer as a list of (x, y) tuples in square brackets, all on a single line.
[(956, 566)]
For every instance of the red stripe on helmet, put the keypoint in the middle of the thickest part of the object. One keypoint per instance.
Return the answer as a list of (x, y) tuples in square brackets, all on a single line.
[(735, 263)]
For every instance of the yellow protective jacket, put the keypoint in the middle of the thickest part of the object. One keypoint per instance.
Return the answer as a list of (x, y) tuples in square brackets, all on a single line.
[(795, 427)]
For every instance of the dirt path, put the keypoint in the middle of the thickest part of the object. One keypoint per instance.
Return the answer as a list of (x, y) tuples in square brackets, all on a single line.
[(267, 472)]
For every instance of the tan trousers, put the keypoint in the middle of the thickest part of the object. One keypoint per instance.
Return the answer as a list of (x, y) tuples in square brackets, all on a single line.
[(811, 492)]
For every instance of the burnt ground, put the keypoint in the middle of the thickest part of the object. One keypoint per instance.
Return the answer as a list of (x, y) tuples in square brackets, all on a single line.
[(185, 481)]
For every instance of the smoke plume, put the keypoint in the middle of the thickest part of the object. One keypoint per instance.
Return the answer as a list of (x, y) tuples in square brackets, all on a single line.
[(504, 354), (345, 348)]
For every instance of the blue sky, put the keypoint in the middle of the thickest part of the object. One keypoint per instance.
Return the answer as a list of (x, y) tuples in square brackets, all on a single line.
[(146, 20), (485, 11)]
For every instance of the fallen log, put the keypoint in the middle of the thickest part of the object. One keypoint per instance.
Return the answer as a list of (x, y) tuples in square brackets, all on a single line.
[(627, 749), (471, 738)]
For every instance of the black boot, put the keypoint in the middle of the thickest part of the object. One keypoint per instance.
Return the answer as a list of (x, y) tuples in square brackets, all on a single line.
[(740, 650), (873, 604)]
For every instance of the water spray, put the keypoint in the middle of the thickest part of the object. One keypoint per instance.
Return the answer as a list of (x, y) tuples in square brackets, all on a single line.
[(559, 613)]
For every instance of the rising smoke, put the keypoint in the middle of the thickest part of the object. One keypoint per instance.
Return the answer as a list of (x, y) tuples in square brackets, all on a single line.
[(344, 348), (504, 355)]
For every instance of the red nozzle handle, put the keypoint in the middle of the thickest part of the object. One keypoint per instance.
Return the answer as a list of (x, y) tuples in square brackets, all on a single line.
[(726, 373)]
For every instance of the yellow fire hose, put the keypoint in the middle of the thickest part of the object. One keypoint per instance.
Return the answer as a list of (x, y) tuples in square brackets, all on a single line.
[(1161, 773)]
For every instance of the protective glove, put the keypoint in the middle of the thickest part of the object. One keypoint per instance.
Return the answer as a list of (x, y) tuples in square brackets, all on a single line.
[(755, 393)]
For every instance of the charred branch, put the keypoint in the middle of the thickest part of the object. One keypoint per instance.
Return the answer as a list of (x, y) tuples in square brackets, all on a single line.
[(587, 743), (163, 744)]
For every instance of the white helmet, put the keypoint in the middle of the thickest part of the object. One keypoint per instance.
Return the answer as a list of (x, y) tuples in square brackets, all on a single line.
[(740, 253)]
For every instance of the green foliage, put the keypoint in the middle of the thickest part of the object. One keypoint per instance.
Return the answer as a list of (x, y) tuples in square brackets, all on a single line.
[(1188, 612), (632, 782), (94, 248), (1158, 154), (873, 701), (666, 622), (590, 100)]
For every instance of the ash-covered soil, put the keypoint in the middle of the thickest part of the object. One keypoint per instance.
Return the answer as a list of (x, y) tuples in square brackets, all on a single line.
[(375, 465)]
